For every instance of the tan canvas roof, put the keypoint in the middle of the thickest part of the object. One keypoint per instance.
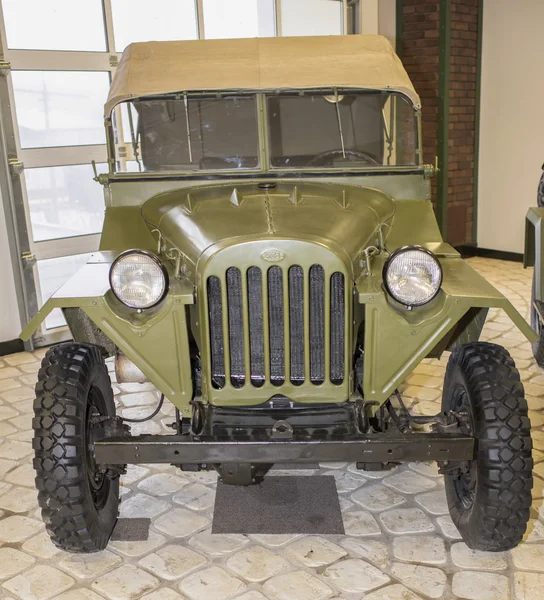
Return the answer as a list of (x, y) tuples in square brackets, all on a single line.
[(361, 61)]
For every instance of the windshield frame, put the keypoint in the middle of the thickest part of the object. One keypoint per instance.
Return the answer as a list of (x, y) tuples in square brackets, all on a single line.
[(339, 91), (264, 168)]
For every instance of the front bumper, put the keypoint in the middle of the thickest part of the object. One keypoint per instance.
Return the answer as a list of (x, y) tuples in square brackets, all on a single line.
[(375, 448)]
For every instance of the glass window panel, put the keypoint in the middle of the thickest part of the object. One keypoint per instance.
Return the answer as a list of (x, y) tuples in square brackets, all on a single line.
[(223, 134), (144, 21), (53, 273), (55, 25), (125, 121), (60, 108), (311, 17), (238, 18), (132, 166), (64, 201), (363, 130)]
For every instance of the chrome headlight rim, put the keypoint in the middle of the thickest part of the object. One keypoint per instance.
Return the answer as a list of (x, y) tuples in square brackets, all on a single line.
[(156, 260), (392, 257)]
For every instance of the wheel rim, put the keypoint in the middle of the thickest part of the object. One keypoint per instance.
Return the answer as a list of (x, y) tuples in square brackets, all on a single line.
[(465, 483), (99, 484)]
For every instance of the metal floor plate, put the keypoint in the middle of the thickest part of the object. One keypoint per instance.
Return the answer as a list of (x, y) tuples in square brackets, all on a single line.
[(131, 530), (279, 505)]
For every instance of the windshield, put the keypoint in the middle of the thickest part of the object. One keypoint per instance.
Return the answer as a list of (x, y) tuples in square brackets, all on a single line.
[(338, 130), (305, 130), (189, 133)]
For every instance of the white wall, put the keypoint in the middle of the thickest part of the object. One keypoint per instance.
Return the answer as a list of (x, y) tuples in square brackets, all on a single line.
[(512, 120), (10, 325), (311, 17), (387, 20)]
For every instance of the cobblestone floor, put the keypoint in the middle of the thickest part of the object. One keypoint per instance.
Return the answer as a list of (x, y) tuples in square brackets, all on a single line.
[(400, 544)]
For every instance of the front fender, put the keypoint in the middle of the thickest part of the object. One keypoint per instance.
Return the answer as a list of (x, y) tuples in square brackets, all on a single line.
[(157, 342), (396, 341)]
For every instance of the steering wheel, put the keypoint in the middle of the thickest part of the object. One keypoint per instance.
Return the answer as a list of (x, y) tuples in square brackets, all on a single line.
[(322, 159)]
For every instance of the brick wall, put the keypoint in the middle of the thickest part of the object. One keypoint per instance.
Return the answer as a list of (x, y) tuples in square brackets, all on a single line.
[(420, 55), (462, 118)]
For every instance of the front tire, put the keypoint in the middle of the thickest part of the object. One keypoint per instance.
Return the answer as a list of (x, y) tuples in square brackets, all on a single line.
[(79, 504), (490, 502)]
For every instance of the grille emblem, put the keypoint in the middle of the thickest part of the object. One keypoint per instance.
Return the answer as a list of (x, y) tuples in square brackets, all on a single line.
[(273, 255)]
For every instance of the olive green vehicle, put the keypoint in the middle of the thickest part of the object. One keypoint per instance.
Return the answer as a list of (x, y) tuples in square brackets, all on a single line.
[(533, 256), (271, 262)]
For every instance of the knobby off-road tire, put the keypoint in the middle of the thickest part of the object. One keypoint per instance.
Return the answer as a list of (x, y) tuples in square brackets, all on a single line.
[(490, 504), (536, 324), (79, 505)]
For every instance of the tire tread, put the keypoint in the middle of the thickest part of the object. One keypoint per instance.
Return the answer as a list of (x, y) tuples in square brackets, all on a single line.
[(59, 461), (499, 516)]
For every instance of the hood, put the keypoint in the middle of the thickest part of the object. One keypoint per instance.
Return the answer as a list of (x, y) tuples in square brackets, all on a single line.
[(347, 218)]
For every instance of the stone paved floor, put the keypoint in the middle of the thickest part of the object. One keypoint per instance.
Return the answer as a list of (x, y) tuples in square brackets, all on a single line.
[(400, 544)]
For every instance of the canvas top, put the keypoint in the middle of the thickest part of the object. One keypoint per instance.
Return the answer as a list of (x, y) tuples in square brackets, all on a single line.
[(354, 61)]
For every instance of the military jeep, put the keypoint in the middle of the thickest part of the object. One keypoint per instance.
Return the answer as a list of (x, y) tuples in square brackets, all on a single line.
[(271, 262)]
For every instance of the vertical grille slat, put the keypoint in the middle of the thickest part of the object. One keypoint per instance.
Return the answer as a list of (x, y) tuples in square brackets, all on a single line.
[(296, 324), (338, 311), (215, 316), (263, 322), (256, 325), (317, 324), (276, 325), (236, 327)]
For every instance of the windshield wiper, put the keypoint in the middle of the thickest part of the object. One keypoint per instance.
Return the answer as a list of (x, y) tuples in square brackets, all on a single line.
[(339, 120), (133, 137), (186, 104)]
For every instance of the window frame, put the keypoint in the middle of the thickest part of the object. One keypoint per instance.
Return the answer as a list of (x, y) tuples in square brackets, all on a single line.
[(371, 168), (264, 146), (127, 152)]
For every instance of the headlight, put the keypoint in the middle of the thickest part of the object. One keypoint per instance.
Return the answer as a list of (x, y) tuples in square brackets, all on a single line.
[(138, 279), (412, 275)]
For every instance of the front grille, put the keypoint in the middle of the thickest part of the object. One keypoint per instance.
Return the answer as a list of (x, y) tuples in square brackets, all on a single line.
[(264, 303)]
